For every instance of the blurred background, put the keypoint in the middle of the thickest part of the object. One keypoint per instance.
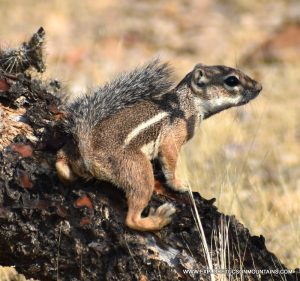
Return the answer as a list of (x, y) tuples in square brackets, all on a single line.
[(248, 158)]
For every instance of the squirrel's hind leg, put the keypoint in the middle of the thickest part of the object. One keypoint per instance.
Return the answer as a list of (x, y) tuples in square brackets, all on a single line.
[(135, 177)]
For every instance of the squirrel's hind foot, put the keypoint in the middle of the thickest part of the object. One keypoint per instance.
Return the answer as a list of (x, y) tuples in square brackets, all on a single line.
[(156, 219), (165, 210)]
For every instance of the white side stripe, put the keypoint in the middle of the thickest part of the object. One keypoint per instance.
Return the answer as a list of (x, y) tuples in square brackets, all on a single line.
[(143, 126)]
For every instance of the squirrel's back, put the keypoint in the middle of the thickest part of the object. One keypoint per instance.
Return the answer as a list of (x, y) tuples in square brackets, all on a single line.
[(144, 83)]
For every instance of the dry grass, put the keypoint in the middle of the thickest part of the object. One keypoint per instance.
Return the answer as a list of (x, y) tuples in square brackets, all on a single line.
[(247, 158), (10, 274)]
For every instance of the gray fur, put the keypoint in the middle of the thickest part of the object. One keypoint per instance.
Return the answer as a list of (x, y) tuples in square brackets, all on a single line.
[(141, 84)]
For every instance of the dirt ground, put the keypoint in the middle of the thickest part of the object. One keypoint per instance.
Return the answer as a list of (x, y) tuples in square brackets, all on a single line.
[(247, 158)]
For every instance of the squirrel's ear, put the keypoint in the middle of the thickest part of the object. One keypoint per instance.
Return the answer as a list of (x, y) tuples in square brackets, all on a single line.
[(198, 76)]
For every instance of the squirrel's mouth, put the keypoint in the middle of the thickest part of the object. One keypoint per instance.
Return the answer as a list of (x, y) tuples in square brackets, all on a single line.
[(249, 96), (244, 102)]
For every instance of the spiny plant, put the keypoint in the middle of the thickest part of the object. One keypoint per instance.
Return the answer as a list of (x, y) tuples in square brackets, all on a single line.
[(29, 54)]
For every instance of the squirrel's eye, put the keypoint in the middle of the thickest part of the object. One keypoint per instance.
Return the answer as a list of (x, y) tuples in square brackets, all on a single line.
[(232, 81)]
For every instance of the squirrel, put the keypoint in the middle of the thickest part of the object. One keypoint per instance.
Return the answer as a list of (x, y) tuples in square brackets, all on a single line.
[(119, 129)]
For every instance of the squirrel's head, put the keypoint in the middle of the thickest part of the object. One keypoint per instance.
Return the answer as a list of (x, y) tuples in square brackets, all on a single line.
[(216, 88)]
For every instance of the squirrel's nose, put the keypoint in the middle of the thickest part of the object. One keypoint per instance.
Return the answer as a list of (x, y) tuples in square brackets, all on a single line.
[(258, 87)]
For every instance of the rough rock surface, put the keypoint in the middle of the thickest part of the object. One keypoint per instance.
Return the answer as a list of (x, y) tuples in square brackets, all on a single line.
[(49, 231)]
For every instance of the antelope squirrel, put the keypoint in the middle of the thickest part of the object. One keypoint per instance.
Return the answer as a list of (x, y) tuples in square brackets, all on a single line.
[(136, 118)]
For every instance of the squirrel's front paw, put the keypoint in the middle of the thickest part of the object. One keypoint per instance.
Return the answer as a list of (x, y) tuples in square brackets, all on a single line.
[(178, 185)]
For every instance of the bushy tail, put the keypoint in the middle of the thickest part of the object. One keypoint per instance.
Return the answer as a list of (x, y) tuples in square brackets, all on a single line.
[(144, 83)]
